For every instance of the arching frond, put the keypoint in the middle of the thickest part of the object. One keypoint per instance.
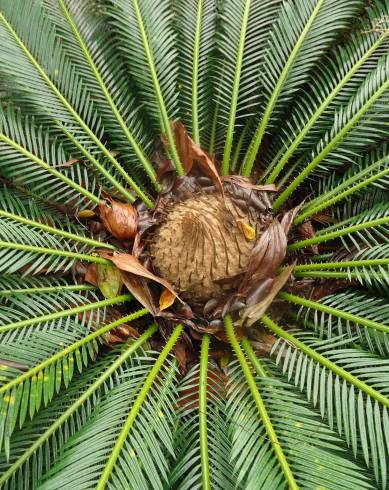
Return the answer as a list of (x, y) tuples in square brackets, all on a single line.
[(313, 448), (56, 423), (339, 79), (32, 160), (202, 446), (349, 403), (291, 53), (35, 58), (152, 422), (354, 302), (244, 29), (98, 63), (147, 45), (196, 24), (370, 170), (365, 115)]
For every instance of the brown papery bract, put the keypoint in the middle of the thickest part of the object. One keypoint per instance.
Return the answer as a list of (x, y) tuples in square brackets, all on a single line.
[(120, 219)]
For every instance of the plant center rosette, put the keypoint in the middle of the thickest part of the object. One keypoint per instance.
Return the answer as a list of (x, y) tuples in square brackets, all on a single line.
[(210, 247)]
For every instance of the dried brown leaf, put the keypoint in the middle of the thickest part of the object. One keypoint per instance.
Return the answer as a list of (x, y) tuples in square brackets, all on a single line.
[(246, 183), (307, 231), (91, 275), (139, 288), (180, 355), (253, 313), (288, 218), (120, 219), (166, 299), (129, 263), (266, 255), (191, 154)]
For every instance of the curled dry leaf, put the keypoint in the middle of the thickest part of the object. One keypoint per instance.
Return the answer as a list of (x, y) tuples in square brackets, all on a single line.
[(248, 231), (166, 299), (139, 288), (288, 218), (266, 256), (253, 313), (120, 219), (246, 183), (191, 154), (91, 275), (85, 213), (180, 354), (306, 230), (129, 263)]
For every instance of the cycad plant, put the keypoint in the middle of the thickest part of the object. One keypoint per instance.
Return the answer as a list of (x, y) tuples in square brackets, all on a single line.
[(194, 244)]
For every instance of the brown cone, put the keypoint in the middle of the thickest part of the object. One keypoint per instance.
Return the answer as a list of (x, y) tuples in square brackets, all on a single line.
[(201, 246)]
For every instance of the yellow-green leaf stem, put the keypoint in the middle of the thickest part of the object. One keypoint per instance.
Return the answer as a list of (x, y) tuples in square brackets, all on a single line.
[(334, 142), (107, 471), (56, 231), (203, 431), (260, 405), (129, 350), (350, 378), (325, 236), (261, 129), (64, 313), (298, 300), (235, 91), (158, 92), (52, 251)]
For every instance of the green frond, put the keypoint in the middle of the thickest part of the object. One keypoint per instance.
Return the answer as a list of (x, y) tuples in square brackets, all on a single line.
[(359, 124), (332, 85), (68, 414), (277, 450), (324, 370), (202, 446), (243, 29), (31, 159), (366, 229), (96, 59), (37, 210), (20, 258), (340, 313), (17, 222), (59, 92), (305, 28), (16, 284), (369, 267), (77, 462), (151, 422), (25, 322), (50, 359), (370, 170), (356, 303), (147, 43), (317, 455), (195, 25)]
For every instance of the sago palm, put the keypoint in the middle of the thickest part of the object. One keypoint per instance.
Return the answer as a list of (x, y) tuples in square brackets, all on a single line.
[(194, 244)]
